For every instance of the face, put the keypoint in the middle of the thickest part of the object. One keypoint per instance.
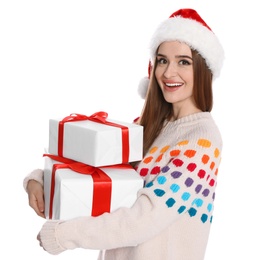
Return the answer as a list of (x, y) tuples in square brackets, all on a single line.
[(174, 74)]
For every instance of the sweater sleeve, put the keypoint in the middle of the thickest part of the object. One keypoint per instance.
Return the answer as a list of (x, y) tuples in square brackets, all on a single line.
[(183, 180), (36, 175)]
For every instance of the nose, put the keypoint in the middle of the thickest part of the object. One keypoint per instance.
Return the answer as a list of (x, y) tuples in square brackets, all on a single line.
[(170, 70)]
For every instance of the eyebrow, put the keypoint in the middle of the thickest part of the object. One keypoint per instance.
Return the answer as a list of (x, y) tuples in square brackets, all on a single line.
[(177, 56)]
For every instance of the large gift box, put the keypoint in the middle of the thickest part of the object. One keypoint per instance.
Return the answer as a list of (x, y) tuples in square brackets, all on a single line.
[(95, 140), (73, 189)]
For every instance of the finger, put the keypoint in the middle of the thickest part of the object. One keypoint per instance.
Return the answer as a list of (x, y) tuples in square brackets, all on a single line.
[(34, 203), (41, 206), (40, 202)]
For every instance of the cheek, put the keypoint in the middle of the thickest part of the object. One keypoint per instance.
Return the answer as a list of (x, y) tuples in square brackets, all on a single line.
[(188, 76), (158, 73)]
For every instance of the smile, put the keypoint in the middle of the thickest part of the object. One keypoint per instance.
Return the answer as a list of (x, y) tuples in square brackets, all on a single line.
[(173, 84)]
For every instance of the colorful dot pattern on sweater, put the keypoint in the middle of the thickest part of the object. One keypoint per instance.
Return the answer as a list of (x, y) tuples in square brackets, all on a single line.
[(187, 183)]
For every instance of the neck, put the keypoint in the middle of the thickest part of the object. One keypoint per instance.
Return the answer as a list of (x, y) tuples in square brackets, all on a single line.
[(181, 113)]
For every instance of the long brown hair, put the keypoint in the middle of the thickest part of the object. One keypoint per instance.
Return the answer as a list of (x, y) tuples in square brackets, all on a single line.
[(156, 110)]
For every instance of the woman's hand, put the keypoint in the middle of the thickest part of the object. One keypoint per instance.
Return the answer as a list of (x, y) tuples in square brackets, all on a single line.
[(36, 197)]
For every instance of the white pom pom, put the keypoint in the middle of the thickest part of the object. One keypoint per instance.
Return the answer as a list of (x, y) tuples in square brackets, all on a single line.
[(143, 87)]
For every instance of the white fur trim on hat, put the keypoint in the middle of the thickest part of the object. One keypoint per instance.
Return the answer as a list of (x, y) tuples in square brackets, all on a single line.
[(194, 34)]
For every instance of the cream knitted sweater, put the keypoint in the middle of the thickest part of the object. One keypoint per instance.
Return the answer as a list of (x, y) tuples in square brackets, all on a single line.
[(172, 215)]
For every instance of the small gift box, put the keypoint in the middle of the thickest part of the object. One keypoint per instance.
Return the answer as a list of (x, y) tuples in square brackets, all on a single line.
[(94, 140), (73, 189)]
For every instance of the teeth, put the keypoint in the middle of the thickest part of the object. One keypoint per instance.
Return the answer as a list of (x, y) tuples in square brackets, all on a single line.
[(173, 84)]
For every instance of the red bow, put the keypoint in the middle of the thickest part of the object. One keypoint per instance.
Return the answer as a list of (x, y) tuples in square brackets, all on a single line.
[(101, 181), (98, 117)]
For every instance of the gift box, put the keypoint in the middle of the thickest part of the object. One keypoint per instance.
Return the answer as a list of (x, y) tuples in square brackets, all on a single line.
[(73, 189), (95, 140)]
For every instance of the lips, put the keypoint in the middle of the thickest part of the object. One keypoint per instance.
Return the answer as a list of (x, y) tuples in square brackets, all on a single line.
[(172, 86)]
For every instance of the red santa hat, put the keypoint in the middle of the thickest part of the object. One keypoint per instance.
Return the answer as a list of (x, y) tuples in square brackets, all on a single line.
[(185, 25)]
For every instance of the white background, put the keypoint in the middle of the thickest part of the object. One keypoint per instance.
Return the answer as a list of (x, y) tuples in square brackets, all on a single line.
[(63, 57)]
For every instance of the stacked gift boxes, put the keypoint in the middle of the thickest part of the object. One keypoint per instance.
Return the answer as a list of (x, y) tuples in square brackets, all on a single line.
[(87, 171)]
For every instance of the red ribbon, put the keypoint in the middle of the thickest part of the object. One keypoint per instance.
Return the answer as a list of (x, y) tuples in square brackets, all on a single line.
[(101, 181), (98, 117)]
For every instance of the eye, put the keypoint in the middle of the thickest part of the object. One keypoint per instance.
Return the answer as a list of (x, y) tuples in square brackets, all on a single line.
[(184, 62), (161, 61)]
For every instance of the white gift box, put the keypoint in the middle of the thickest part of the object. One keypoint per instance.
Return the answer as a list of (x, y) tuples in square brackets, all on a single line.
[(95, 143), (72, 192)]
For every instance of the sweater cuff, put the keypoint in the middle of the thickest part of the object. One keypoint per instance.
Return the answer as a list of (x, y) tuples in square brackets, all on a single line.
[(36, 175), (48, 237)]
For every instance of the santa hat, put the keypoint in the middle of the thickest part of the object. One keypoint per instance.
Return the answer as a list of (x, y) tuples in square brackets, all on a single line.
[(185, 25)]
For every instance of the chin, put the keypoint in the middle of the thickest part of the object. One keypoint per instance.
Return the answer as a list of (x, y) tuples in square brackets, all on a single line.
[(169, 99)]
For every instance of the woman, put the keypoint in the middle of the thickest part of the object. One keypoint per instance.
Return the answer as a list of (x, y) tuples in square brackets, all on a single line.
[(172, 215)]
